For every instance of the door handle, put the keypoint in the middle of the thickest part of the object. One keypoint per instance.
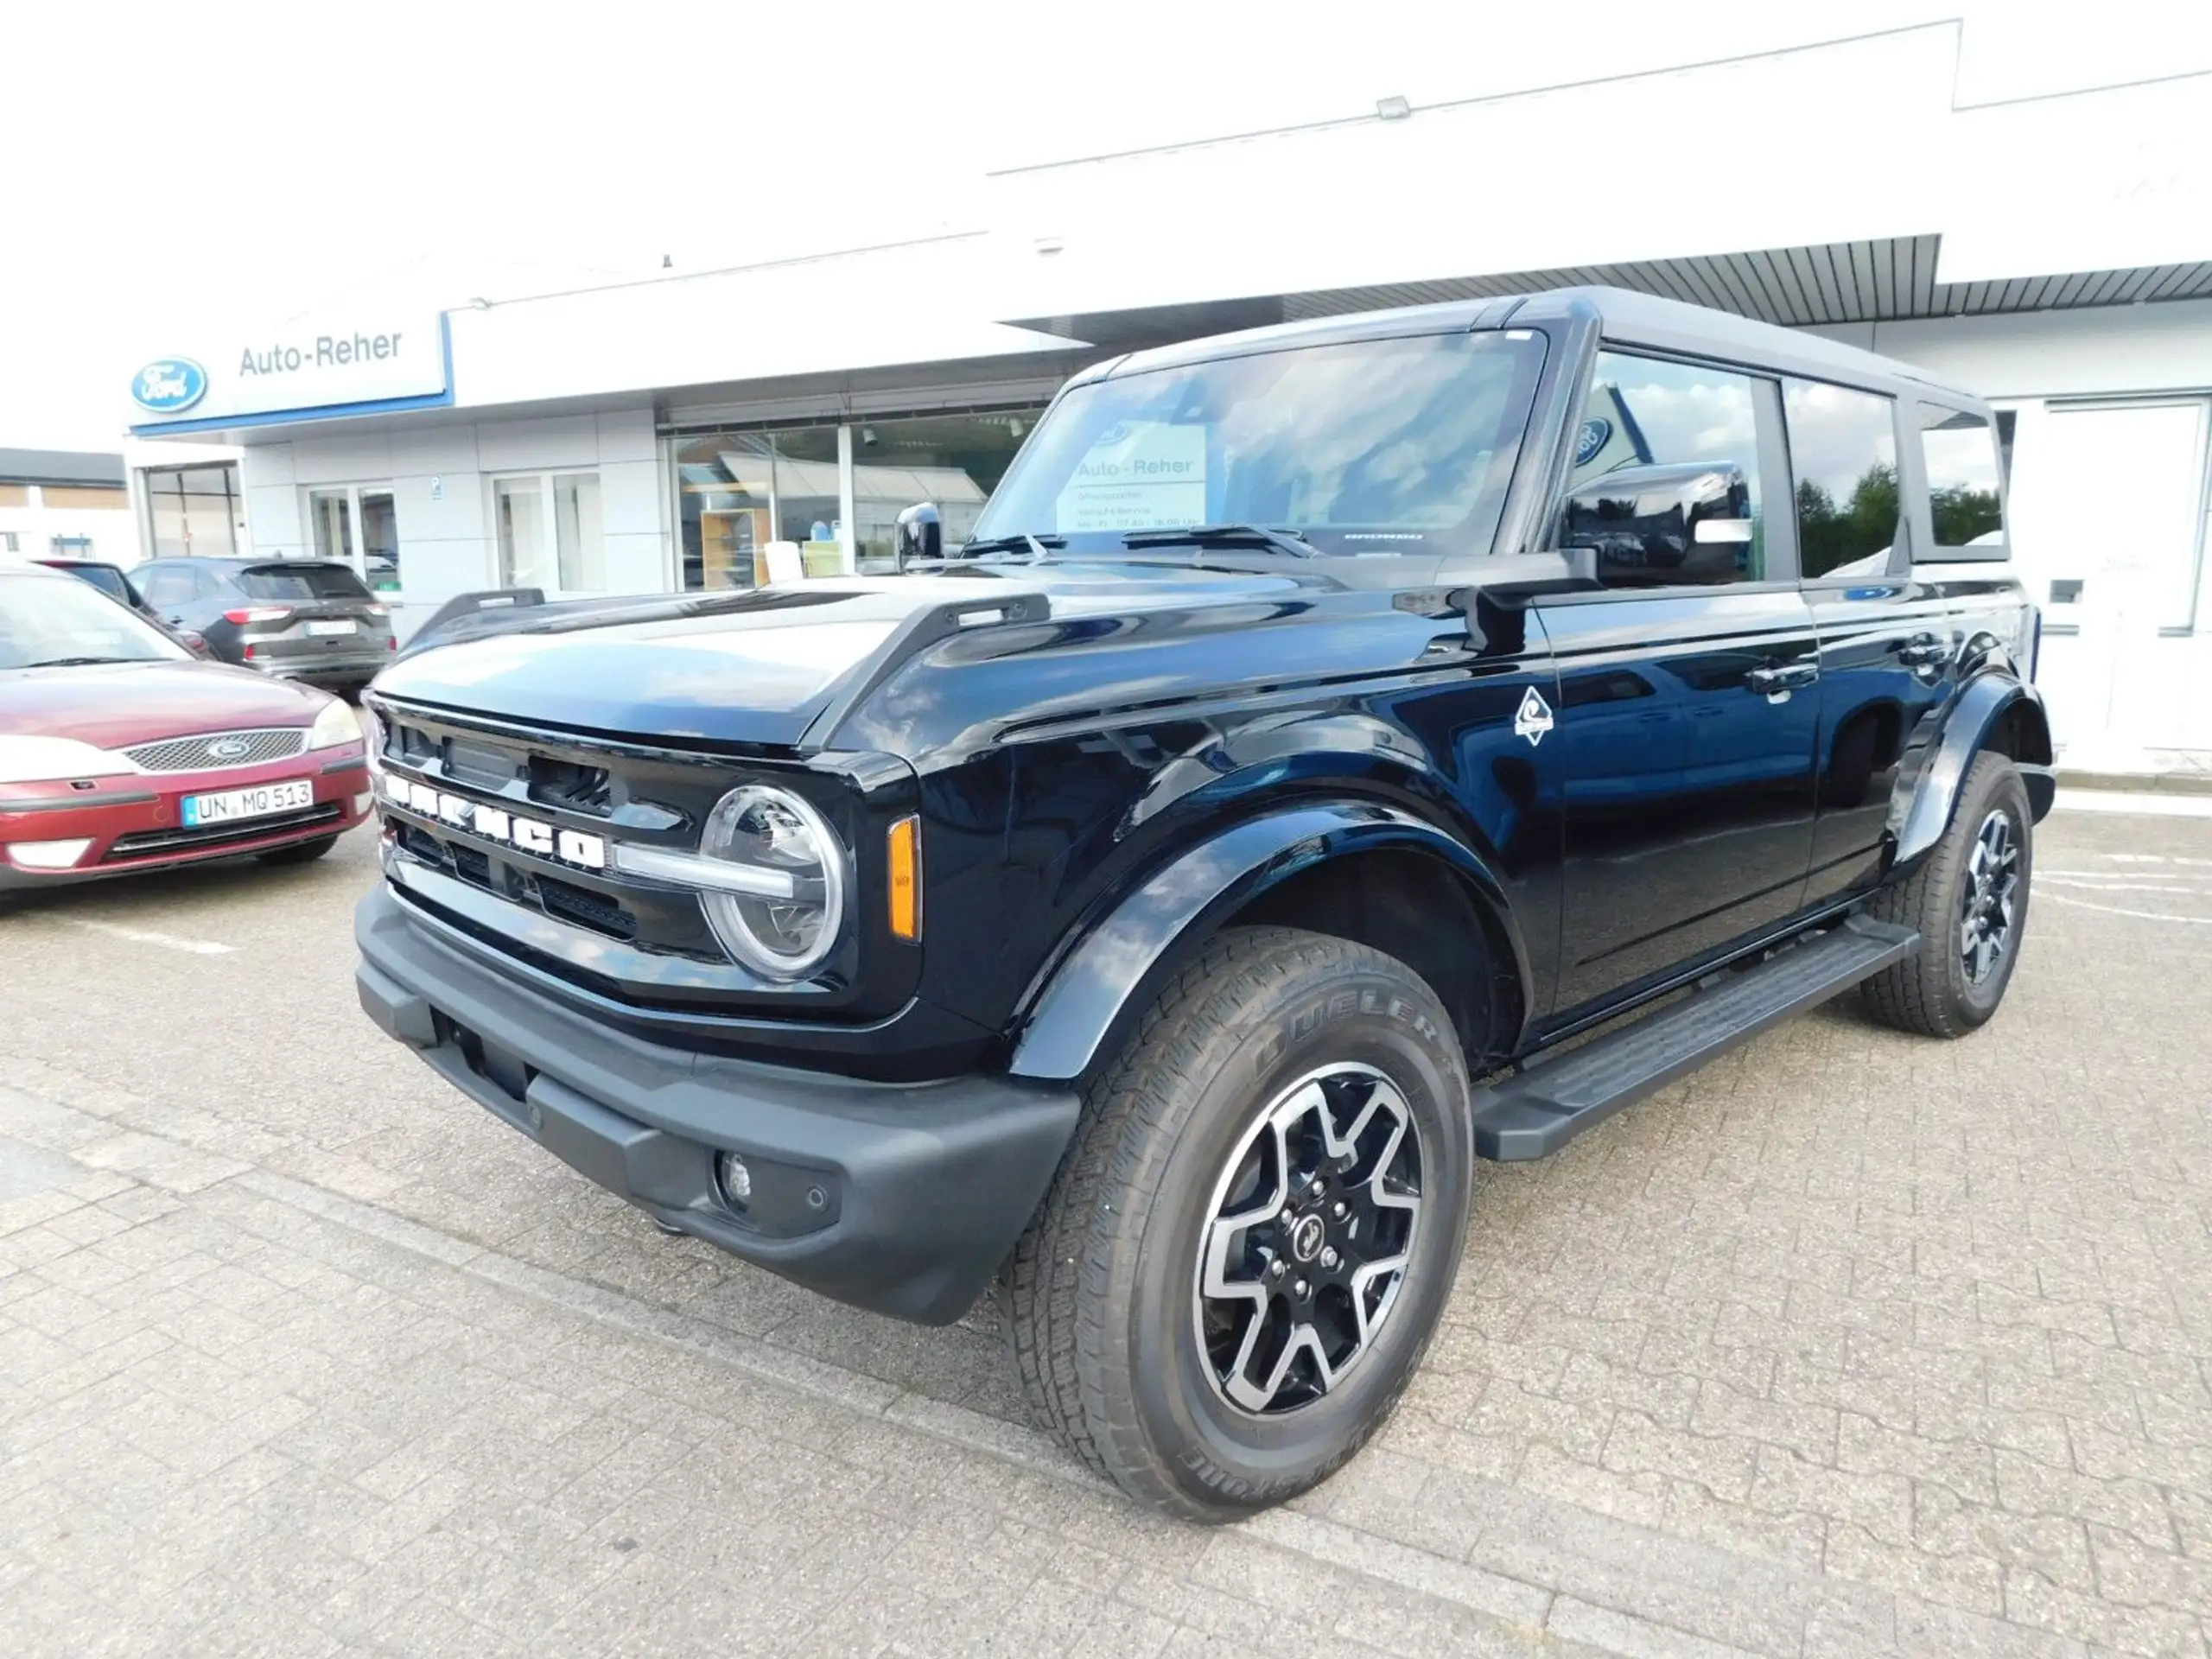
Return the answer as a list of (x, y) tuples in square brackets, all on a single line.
[(1785, 676), (1924, 651)]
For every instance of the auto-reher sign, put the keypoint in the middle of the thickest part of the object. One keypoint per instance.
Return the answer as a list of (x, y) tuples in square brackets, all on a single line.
[(306, 368)]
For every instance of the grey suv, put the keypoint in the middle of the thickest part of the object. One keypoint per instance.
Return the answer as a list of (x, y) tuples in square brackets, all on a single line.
[(310, 620)]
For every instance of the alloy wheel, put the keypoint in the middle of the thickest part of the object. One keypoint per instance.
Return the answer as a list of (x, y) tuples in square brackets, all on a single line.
[(1986, 908), (1308, 1238)]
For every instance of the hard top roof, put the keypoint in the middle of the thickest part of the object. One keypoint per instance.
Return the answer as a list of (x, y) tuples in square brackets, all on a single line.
[(1625, 316)]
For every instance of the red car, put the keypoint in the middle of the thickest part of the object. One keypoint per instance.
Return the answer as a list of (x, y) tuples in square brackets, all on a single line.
[(120, 751)]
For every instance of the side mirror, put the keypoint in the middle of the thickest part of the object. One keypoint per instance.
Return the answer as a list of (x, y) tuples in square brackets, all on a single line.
[(920, 536), (1659, 526)]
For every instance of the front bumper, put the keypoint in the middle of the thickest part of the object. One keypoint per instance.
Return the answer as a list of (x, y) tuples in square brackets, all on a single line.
[(902, 1198), (136, 823)]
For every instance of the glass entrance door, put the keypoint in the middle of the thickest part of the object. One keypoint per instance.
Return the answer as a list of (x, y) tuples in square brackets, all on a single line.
[(379, 540), (356, 525), (331, 513)]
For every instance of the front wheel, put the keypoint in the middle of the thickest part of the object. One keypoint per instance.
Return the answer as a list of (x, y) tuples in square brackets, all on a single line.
[(1968, 900), (1255, 1233)]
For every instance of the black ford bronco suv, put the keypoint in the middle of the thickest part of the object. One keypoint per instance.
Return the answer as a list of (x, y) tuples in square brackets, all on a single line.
[(1157, 904)]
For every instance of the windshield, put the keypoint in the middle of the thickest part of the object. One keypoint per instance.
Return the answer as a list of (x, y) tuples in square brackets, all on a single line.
[(298, 582), (1376, 445), (53, 620)]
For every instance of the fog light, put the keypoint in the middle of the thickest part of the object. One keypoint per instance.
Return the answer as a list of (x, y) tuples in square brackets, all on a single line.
[(46, 854), (737, 1179)]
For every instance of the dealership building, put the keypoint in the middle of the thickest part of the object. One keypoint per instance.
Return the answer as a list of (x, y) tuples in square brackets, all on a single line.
[(2050, 248)]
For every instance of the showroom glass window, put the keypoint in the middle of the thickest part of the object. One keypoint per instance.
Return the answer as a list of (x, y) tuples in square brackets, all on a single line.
[(954, 461), (550, 530), (740, 490), (1644, 411), (194, 510), (1960, 453), (1843, 453)]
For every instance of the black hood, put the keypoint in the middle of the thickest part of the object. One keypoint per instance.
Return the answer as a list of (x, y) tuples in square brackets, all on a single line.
[(763, 668)]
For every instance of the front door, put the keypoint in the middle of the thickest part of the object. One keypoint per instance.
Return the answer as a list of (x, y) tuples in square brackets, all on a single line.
[(1688, 709)]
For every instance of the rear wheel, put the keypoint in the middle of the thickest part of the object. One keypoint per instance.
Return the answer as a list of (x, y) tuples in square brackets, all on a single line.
[(1254, 1235), (302, 852), (1968, 900)]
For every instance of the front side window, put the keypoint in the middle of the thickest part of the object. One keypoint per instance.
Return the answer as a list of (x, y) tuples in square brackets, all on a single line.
[(61, 621), (1374, 446), (1843, 452), (1960, 455), (1645, 413)]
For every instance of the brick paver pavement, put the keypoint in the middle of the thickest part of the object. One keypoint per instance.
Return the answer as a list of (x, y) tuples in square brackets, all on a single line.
[(1852, 1344)]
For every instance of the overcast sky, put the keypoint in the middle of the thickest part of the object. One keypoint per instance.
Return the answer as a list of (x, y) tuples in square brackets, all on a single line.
[(166, 166)]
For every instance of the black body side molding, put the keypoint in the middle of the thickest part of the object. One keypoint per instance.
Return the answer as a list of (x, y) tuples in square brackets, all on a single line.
[(1555, 1098)]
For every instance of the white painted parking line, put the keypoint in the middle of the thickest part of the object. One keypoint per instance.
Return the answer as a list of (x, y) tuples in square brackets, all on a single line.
[(142, 936), (2116, 910), (2142, 801)]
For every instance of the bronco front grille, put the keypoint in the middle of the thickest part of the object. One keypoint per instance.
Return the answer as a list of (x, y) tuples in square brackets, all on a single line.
[(215, 750)]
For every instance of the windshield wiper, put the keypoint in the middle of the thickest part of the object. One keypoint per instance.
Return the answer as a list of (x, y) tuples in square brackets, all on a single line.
[(1283, 540), (1024, 543), (83, 662)]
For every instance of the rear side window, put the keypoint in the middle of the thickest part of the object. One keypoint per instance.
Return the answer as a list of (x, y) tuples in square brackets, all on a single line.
[(1960, 453), (1843, 453), (298, 582)]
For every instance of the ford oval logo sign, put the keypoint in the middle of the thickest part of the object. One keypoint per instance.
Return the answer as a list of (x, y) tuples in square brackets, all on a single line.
[(228, 748), (169, 386), (1595, 432)]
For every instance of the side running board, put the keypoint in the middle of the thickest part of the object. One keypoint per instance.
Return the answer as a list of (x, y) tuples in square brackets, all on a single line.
[(1555, 1098)]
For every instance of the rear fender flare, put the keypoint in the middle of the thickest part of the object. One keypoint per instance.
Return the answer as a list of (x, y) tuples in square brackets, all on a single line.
[(1921, 809), (1107, 976)]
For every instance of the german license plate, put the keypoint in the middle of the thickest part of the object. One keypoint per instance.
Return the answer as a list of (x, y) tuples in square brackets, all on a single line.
[(330, 627), (236, 803)]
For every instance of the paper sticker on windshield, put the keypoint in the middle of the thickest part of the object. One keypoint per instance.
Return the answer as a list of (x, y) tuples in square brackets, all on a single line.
[(1535, 718), (1138, 475)]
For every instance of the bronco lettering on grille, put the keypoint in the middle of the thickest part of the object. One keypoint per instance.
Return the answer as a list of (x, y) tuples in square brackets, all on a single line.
[(496, 823)]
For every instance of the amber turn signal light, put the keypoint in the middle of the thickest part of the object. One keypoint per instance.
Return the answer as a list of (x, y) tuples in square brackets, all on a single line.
[(906, 848)]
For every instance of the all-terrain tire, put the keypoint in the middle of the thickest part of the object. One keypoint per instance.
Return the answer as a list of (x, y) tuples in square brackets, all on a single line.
[(1099, 1298), (1932, 991)]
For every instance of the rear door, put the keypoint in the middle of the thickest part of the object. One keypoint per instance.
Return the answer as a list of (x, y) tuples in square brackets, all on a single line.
[(1688, 709), (1889, 645)]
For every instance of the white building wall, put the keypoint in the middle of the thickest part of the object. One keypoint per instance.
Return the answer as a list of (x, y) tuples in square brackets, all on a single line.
[(441, 478), (112, 531)]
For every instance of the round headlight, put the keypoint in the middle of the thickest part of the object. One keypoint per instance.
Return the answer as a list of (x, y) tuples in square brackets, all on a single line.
[(785, 930)]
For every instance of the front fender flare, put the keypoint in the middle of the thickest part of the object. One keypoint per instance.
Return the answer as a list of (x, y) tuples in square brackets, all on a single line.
[(1098, 983), (1921, 809)]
